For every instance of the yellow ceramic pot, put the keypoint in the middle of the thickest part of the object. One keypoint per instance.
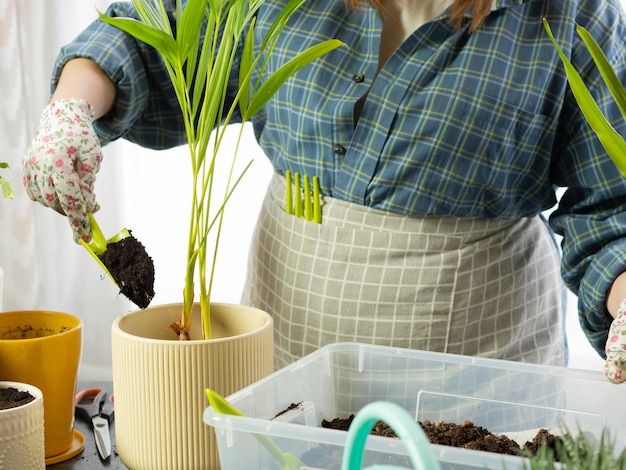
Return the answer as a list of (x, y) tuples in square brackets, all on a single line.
[(43, 349), (159, 381)]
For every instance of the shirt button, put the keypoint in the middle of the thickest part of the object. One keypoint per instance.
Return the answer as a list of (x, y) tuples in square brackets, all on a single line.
[(358, 77), (339, 149)]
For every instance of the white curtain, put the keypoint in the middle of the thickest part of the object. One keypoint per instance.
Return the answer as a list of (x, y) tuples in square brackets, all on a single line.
[(145, 191)]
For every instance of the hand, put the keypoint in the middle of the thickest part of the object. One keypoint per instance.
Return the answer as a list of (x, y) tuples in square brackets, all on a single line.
[(62, 161), (615, 366)]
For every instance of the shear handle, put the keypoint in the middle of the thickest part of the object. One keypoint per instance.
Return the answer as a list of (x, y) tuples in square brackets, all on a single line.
[(89, 401)]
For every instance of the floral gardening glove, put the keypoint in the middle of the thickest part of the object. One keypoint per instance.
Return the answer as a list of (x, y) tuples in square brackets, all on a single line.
[(62, 161), (615, 366)]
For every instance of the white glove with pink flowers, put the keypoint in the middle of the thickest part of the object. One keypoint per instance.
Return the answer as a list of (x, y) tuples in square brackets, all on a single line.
[(62, 161), (615, 366)]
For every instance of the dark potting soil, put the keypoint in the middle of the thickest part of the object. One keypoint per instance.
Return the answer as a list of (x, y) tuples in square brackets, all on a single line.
[(132, 268), (28, 331), (466, 435), (11, 397)]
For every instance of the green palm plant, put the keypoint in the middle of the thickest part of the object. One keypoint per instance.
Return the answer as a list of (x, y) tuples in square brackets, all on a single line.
[(199, 55), (611, 140)]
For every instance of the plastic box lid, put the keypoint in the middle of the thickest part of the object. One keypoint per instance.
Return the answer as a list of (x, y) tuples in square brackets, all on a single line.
[(339, 379)]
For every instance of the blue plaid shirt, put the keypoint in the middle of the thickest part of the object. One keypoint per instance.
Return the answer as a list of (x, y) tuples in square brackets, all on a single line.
[(455, 124)]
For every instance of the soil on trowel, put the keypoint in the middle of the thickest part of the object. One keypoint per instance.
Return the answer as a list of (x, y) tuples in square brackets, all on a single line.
[(466, 435), (11, 397), (132, 268)]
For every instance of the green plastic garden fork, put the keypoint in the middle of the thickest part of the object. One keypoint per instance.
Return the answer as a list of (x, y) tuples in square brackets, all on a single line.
[(303, 202)]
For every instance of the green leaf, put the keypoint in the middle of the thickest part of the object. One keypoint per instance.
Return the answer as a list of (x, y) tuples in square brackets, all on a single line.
[(160, 40), (214, 6), (204, 66), (280, 21), (607, 72), (153, 15), (245, 68), (216, 87), (7, 191), (188, 30), (278, 78), (610, 139)]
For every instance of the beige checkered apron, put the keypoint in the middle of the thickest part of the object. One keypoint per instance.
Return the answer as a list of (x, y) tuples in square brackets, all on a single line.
[(479, 287)]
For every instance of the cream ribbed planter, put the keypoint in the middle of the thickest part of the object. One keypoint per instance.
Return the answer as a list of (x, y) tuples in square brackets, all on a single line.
[(159, 382), (21, 432)]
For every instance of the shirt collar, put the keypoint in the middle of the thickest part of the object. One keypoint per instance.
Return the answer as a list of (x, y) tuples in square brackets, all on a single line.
[(500, 4)]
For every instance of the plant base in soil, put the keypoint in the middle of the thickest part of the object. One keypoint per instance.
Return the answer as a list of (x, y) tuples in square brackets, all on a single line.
[(132, 268), (11, 397)]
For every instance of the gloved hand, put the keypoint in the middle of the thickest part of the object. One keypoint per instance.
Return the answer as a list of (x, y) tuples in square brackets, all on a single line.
[(615, 366), (62, 161)]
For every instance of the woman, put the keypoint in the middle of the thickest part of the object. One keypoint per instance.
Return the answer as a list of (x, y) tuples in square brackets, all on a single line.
[(439, 138)]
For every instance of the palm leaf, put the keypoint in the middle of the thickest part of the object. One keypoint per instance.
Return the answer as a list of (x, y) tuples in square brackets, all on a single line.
[(160, 40), (153, 15), (245, 67), (188, 28), (610, 139), (278, 78), (607, 72), (203, 68), (279, 23)]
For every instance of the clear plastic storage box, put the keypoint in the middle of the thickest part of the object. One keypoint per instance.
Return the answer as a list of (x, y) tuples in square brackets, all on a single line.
[(338, 380)]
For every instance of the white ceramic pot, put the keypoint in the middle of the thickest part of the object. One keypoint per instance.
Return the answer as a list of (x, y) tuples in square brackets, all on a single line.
[(22, 432), (159, 382)]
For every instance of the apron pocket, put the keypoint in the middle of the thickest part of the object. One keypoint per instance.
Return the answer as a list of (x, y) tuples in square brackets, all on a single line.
[(326, 284)]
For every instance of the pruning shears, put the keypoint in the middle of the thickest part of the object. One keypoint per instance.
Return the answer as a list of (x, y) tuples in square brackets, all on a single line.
[(92, 405)]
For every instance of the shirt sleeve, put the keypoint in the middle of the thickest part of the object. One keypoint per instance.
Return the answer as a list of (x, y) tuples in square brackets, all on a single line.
[(591, 215), (146, 111)]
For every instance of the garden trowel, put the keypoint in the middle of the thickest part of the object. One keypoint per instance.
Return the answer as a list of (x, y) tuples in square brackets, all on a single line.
[(125, 261)]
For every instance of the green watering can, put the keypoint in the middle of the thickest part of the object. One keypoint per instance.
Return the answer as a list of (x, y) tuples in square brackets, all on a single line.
[(396, 417)]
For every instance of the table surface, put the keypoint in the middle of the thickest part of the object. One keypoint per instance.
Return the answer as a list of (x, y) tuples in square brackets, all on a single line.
[(89, 457)]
